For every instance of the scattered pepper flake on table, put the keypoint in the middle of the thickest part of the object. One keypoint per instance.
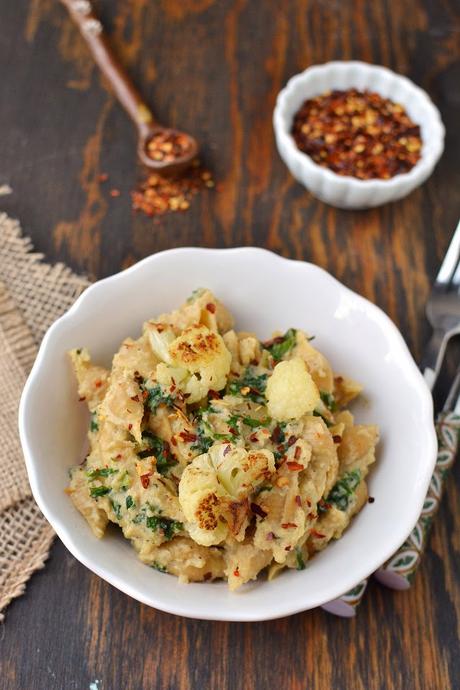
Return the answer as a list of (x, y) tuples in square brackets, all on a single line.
[(357, 133), (159, 194)]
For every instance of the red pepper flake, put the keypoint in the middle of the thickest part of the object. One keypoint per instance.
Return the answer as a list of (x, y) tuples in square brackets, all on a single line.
[(172, 388), (288, 525), (207, 576), (114, 192), (357, 133), (291, 440), (103, 177), (308, 502), (316, 534), (214, 395), (371, 499), (270, 536), (145, 480), (297, 452), (254, 438), (130, 426), (211, 308), (188, 437), (298, 500), (81, 398), (257, 510), (173, 441), (135, 398), (295, 466), (277, 435), (227, 449), (145, 395), (287, 548), (337, 438), (118, 457), (236, 572), (98, 383)]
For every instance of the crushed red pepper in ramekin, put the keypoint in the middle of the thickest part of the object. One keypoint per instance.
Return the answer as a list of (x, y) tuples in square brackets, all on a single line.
[(357, 133)]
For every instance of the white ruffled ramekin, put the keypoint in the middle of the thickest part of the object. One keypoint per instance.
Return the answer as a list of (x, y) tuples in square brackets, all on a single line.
[(350, 192)]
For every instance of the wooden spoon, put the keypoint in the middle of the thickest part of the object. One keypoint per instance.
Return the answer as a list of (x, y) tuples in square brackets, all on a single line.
[(181, 148)]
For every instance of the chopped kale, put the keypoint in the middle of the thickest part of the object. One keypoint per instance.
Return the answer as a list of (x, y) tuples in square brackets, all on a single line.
[(93, 425), (116, 509), (167, 526), (129, 502), (96, 491), (156, 395), (280, 346), (195, 294), (329, 400), (160, 449), (157, 566), (203, 442), (125, 481), (256, 383), (255, 423), (343, 490), (103, 472), (318, 414), (300, 563), (263, 487)]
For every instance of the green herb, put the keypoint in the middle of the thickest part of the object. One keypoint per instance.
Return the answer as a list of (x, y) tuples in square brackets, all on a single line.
[(195, 294), (255, 382), (140, 517), (116, 509), (157, 566), (280, 346), (129, 502), (160, 449), (93, 425), (300, 563), (254, 423), (97, 491), (103, 472), (329, 400), (203, 442), (264, 487), (318, 414), (124, 485), (157, 395), (344, 489), (167, 526)]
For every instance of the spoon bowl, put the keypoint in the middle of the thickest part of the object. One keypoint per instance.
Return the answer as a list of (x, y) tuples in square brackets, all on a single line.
[(166, 162)]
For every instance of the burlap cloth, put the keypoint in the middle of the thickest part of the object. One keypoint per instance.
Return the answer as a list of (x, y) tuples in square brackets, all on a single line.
[(32, 295)]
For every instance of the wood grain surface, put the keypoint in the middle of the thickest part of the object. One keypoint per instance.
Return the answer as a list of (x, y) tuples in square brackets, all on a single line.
[(214, 69)]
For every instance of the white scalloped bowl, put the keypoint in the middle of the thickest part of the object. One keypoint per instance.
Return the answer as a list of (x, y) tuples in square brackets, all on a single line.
[(265, 292), (350, 192)]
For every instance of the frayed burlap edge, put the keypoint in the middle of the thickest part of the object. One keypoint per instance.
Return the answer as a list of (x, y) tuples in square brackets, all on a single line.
[(36, 294)]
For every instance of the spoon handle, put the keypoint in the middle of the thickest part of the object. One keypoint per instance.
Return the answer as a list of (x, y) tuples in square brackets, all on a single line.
[(93, 32)]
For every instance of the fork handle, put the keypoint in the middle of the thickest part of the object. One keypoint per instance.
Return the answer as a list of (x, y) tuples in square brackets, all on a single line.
[(433, 356)]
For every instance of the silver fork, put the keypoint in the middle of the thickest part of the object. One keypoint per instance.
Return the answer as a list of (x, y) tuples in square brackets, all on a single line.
[(443, 310)]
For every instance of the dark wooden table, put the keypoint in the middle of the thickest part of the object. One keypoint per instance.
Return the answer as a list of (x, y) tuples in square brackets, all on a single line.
[(214, 69)]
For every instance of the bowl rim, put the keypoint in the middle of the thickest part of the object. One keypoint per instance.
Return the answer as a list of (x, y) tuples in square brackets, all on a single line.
[(420, 170), (178, 608)]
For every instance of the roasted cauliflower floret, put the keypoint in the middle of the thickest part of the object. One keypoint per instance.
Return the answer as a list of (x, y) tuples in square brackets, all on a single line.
[(291, 391), (214, 491), (195, 362)]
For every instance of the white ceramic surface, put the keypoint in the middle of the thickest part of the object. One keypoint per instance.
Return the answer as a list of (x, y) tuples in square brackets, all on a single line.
[(349, 192), (265, 292)]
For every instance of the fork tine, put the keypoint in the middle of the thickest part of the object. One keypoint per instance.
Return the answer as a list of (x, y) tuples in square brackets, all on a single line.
[(451, 259), (456, 277)]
